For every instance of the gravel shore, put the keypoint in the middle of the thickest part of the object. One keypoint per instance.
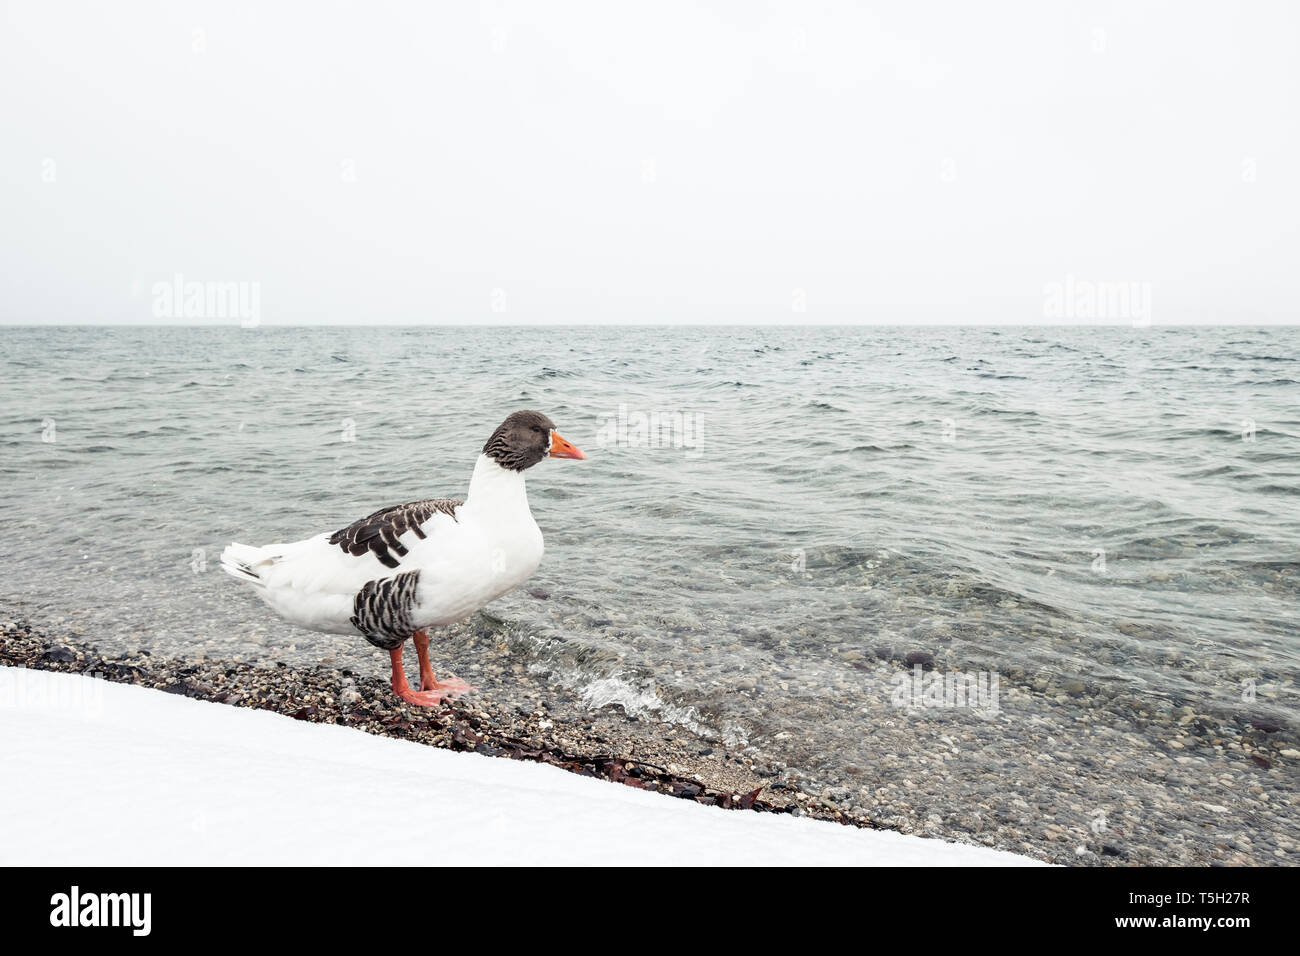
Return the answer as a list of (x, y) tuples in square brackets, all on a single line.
[(663, 758), (1046, 777)]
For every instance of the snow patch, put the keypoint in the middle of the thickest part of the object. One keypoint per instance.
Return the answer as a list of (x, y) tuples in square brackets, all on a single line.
[(98, 773)]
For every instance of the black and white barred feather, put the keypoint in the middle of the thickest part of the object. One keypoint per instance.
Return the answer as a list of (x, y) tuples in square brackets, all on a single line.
[(382, 609), (379, 533)]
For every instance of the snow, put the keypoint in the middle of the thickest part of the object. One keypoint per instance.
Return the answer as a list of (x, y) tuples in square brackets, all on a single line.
[(98, 773)]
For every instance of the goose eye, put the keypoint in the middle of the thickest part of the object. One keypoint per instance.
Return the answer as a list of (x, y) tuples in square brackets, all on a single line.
[(536, 429)]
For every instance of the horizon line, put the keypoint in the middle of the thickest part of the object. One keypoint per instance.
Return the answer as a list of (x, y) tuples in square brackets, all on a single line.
[(234, 324)]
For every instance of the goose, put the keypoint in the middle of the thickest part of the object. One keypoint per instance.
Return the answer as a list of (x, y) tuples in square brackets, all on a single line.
[(396, 573)]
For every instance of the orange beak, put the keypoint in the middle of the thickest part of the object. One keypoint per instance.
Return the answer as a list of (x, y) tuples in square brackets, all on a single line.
[(561, 447)]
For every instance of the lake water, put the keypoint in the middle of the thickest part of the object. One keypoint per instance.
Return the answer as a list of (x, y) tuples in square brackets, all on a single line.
[(1110, 512)]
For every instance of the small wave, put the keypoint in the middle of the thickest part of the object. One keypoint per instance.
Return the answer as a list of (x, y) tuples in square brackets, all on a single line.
[(992, 595), (1019, 412), (1278, 490), (869, 449), (637, 701), (1216, 472)]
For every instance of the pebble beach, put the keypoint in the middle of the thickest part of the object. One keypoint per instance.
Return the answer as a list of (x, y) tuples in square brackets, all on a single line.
[(1039, 777)]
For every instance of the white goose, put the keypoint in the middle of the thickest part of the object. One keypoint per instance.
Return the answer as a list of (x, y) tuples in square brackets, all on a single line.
[(403, 569)]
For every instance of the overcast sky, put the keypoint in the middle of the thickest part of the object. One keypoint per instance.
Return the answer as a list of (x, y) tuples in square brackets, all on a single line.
[(556, 162)]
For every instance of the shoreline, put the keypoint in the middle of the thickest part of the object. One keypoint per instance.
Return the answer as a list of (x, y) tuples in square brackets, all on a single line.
[(115, 774), (662, 763), (1044, 789)]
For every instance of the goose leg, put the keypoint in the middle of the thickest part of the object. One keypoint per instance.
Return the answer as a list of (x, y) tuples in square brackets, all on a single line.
[(451, 687), (403, 690)]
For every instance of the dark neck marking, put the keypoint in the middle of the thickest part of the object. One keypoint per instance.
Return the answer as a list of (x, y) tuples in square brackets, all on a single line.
[(509, 455)]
